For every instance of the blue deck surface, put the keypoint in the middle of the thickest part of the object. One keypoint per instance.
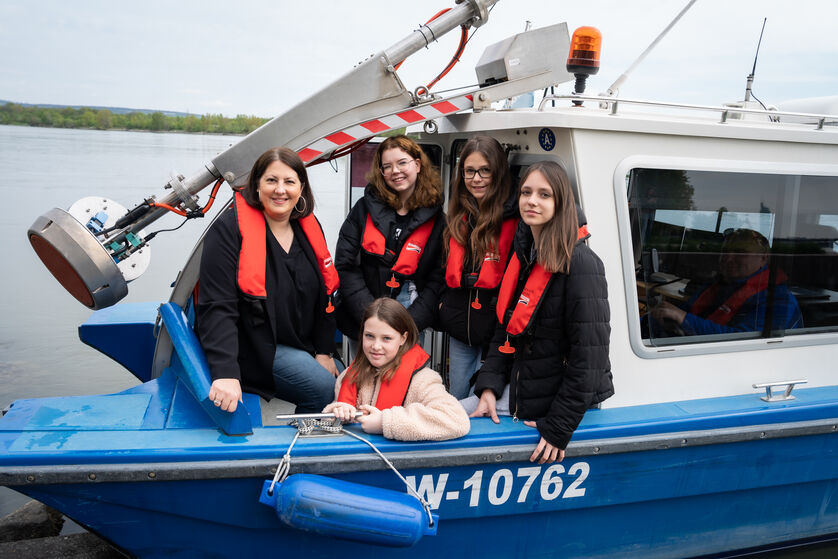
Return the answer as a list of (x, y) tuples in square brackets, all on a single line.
[(126, 427), (171, 419)]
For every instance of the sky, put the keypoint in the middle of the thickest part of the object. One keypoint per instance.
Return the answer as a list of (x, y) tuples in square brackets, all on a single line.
[(260, 57)]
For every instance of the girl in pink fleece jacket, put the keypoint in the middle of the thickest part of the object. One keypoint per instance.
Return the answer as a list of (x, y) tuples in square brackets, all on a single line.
[(390, 383)]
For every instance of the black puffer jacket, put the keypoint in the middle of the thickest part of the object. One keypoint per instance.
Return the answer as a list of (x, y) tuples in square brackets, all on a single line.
[(560, 367), (363, 275), (457, 317)]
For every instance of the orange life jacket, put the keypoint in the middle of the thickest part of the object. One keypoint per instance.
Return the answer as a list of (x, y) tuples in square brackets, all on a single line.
[(727, 310), (253, 253), (530, 298), (491, 269), (394, 391), (408, 260), (528, 301)]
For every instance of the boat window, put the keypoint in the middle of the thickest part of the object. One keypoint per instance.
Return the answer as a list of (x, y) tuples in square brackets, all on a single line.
[(726, 256)]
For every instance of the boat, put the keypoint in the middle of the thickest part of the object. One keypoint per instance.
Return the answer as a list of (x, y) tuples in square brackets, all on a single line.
[(715, 443)]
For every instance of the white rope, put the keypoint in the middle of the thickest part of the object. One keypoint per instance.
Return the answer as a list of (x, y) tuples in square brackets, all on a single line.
[(306, 426)]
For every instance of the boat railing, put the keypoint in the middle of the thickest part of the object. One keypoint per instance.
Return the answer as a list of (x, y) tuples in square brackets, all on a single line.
[(726, 112)]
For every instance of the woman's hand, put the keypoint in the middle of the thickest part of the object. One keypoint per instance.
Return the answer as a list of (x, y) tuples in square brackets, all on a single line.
[(345, 412), (226, 393), (487, 406), (372, 422), (545, 450), (327, 363)]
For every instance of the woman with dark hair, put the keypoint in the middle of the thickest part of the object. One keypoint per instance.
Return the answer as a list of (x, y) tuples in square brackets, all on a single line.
[(264, 312), (554, 321), (390, 244), (481, 222), (389, 381)]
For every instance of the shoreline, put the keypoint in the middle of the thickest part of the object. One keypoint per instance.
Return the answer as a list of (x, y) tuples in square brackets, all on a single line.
[(94, 129)]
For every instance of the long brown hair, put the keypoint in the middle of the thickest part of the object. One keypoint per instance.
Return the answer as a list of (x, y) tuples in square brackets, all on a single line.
[(487, 215), (558, 236), (392, 313), (428, 190), (289, 157)]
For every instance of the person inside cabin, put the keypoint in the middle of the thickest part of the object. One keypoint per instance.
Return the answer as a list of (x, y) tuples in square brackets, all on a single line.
[(390, 383), (481, 221), (264, 311), (737, 301), (553, 314), (390, 244)]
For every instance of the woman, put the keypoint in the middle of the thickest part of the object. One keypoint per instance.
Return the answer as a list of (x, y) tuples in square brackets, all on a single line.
[(554, 315), (390, 383), (264, 298), (481, 222), (390, 244)]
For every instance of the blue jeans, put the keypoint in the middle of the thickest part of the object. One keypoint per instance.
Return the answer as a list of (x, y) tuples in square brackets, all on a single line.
[(463, 362), (301, 380), (501, 406)]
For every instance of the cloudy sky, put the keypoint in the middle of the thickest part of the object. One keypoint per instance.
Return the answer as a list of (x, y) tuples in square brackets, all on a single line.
[(262, 57)]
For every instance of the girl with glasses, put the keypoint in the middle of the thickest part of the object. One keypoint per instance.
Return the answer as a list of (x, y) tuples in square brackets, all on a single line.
[(390, 243), (482, 215)]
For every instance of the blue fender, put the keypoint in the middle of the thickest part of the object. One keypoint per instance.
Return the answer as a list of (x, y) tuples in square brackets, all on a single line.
[(350, 511)]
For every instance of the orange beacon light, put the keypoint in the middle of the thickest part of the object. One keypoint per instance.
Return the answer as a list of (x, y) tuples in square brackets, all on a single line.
[(583, 58)]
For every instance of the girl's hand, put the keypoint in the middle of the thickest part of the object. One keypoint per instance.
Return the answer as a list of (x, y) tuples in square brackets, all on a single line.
[(487, 406), (548, 452), (226, 393), (327, 363), (372, 422), (345, 412)]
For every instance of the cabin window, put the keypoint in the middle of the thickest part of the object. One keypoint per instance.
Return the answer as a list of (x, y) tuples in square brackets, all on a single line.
[(727, 256)]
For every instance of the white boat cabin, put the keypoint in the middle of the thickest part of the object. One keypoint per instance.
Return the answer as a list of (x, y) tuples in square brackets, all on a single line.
[(661, 187)]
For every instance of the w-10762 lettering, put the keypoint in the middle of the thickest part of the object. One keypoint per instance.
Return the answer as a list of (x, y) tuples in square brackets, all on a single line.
[(502, 485)]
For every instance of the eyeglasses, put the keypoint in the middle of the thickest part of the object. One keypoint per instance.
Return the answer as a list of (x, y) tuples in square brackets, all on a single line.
[(484, 172), (401, 165)]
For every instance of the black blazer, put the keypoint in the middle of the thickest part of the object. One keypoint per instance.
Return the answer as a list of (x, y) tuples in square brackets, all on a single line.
[(238, 331)]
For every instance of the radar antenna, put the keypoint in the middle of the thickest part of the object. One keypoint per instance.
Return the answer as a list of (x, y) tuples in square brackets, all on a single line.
[(750, 82)]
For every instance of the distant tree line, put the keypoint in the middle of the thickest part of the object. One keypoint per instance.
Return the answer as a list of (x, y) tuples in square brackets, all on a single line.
[(103, 119)]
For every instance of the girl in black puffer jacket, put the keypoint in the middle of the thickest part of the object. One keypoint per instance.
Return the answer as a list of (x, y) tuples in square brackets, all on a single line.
[(391, 242), (549, 356)]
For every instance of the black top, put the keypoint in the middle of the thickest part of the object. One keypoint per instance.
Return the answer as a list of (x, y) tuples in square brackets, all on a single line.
[(396, 231), (291, 278)]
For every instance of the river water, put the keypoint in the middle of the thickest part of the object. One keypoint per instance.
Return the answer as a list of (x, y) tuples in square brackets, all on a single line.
[(42, 168)]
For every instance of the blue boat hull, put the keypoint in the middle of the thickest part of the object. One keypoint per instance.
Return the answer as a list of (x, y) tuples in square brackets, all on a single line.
[(160, 472), (676, 502)]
